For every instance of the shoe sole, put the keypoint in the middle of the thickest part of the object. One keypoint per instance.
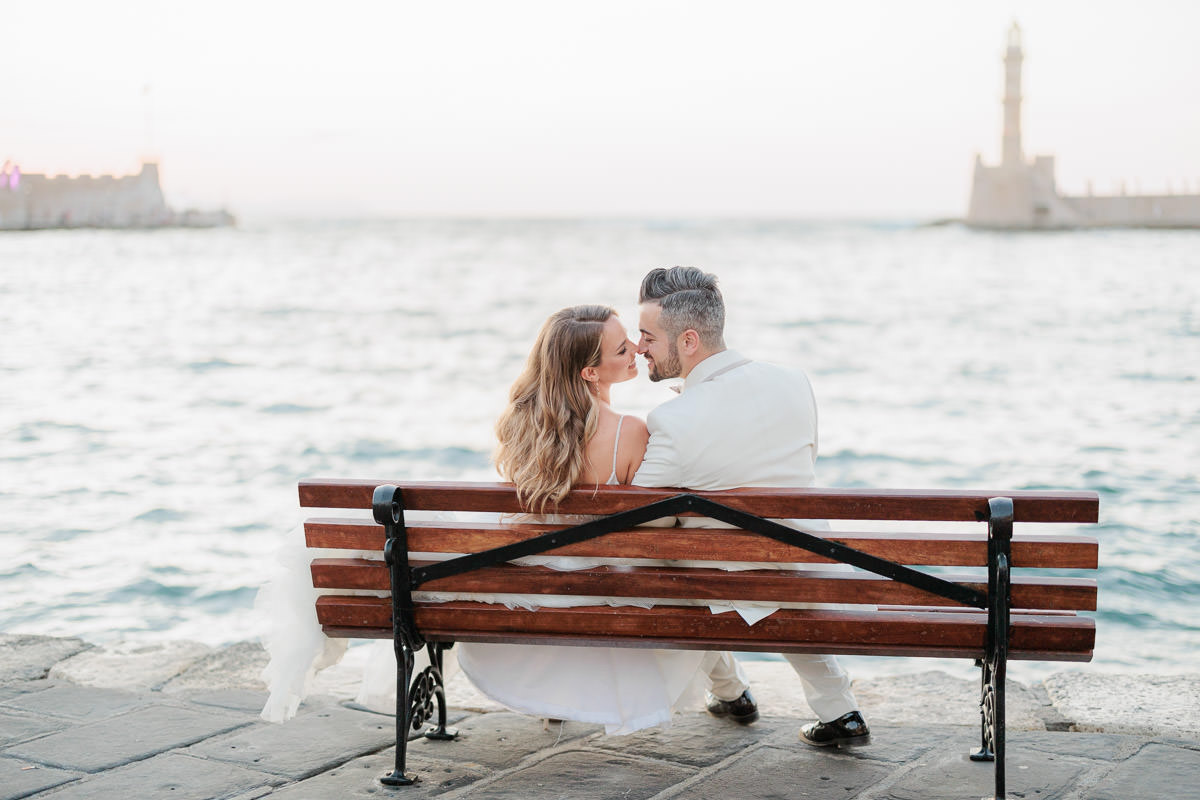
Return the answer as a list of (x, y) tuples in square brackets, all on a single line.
[(849, 741), (744, 719)]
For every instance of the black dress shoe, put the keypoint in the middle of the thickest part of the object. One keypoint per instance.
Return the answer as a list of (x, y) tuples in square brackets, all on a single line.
[(743, 710), (848, 730)]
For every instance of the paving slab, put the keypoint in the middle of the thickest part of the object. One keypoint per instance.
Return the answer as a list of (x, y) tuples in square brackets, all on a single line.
[(172, 775), (24, 687), (126, 737), (453, 715), (130, 665), (953, 776), (1096, 746), (1142, 705), (775, 773), (305, 745), (79, 702), (1156, 771), (237, 666), (21, 779), (25, 657), (697, 739), (17, 727), (359, 779), (501, 740), (585, 775), (244, 700), (1187, 744)]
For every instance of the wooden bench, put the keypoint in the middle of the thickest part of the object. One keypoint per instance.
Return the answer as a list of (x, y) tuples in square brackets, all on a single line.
[(902, 611)]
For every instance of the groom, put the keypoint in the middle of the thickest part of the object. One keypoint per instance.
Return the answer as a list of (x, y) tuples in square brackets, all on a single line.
[(737, 422)]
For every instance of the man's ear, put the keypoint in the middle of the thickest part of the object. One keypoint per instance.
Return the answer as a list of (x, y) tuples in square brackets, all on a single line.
[(689, 342)]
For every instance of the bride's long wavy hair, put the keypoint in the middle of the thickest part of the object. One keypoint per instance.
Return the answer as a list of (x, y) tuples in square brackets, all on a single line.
[(551, 414)]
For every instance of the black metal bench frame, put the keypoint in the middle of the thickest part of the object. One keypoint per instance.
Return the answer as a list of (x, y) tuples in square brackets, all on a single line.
[(415, 696)]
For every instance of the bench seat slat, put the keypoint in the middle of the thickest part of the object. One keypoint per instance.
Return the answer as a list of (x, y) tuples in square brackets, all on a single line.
[(946, 609), (704, 583), (815, 503), (916, 633), (1063, 551), (715, 644)]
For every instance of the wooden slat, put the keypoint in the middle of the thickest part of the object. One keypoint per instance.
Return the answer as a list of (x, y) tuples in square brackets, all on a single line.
[(815, 503), (882, 607), (760, 585), (562, 640), (1053, 637), (1065, 551)]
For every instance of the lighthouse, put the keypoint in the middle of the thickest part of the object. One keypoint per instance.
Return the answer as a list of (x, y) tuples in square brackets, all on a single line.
[(1022, 194), (1018, 193)]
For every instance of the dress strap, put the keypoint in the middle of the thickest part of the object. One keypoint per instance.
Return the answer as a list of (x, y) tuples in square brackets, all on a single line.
[(616, 442)]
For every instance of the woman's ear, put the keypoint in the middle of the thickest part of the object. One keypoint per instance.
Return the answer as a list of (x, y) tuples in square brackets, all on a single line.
[(589, 374)]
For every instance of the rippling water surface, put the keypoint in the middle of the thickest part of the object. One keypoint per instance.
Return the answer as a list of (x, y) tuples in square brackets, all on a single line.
[(162, 392)]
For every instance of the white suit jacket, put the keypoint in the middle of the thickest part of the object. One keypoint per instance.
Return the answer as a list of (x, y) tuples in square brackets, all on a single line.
[(749, 425)]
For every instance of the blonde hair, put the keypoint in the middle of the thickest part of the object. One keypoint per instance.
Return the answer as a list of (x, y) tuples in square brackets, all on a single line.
[(551, 414)]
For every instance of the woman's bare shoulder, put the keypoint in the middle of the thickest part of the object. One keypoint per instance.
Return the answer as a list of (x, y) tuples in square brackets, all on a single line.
[(633, 423), (631, 448)]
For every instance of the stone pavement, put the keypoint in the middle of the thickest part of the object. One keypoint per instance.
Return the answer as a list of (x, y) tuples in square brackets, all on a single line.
[(190, 740)]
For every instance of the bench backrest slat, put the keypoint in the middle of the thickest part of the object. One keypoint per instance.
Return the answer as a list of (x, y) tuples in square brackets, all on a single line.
[(780, 586), (1052, 550), (916, 633), (817, 503)]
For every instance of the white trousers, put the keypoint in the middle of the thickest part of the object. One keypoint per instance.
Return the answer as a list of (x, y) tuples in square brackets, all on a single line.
[(826, 684)]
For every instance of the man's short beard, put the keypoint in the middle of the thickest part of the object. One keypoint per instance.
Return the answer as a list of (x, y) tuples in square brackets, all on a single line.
[(671, 369)]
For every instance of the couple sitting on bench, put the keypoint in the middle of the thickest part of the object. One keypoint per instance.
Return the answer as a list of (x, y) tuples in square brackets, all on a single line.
[(736, 423)]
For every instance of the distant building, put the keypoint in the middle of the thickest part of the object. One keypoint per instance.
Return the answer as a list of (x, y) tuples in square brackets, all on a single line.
[(29, 201), (1021, 194)]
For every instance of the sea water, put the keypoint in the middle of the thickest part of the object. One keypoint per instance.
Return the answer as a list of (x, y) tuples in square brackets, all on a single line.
[(161, 392)]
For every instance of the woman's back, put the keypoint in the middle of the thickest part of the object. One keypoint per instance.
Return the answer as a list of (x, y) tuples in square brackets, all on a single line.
[(615, 452)]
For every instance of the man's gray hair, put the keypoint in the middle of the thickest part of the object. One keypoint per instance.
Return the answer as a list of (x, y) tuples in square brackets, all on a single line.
[(689, 298)]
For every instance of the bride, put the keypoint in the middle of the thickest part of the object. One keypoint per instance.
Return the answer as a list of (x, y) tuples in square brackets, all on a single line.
[(559, 429), (558, 432)]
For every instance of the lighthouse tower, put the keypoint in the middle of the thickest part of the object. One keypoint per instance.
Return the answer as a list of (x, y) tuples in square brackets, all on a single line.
[(1011, 149)]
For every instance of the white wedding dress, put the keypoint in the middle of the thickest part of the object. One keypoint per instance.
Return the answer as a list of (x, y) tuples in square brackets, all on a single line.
[(623, 689)]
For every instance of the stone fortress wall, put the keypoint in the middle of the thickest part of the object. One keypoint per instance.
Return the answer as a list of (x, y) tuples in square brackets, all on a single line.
[(38, 202)]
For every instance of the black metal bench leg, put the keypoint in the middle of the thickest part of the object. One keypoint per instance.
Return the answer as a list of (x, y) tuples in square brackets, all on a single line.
[(995, 661), (388, 509), (987, 703), (998, 679), (991, 709), (441, 732), (404, 670)]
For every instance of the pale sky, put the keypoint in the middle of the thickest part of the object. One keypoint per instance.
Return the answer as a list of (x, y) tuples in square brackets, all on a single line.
[(616, 108)]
